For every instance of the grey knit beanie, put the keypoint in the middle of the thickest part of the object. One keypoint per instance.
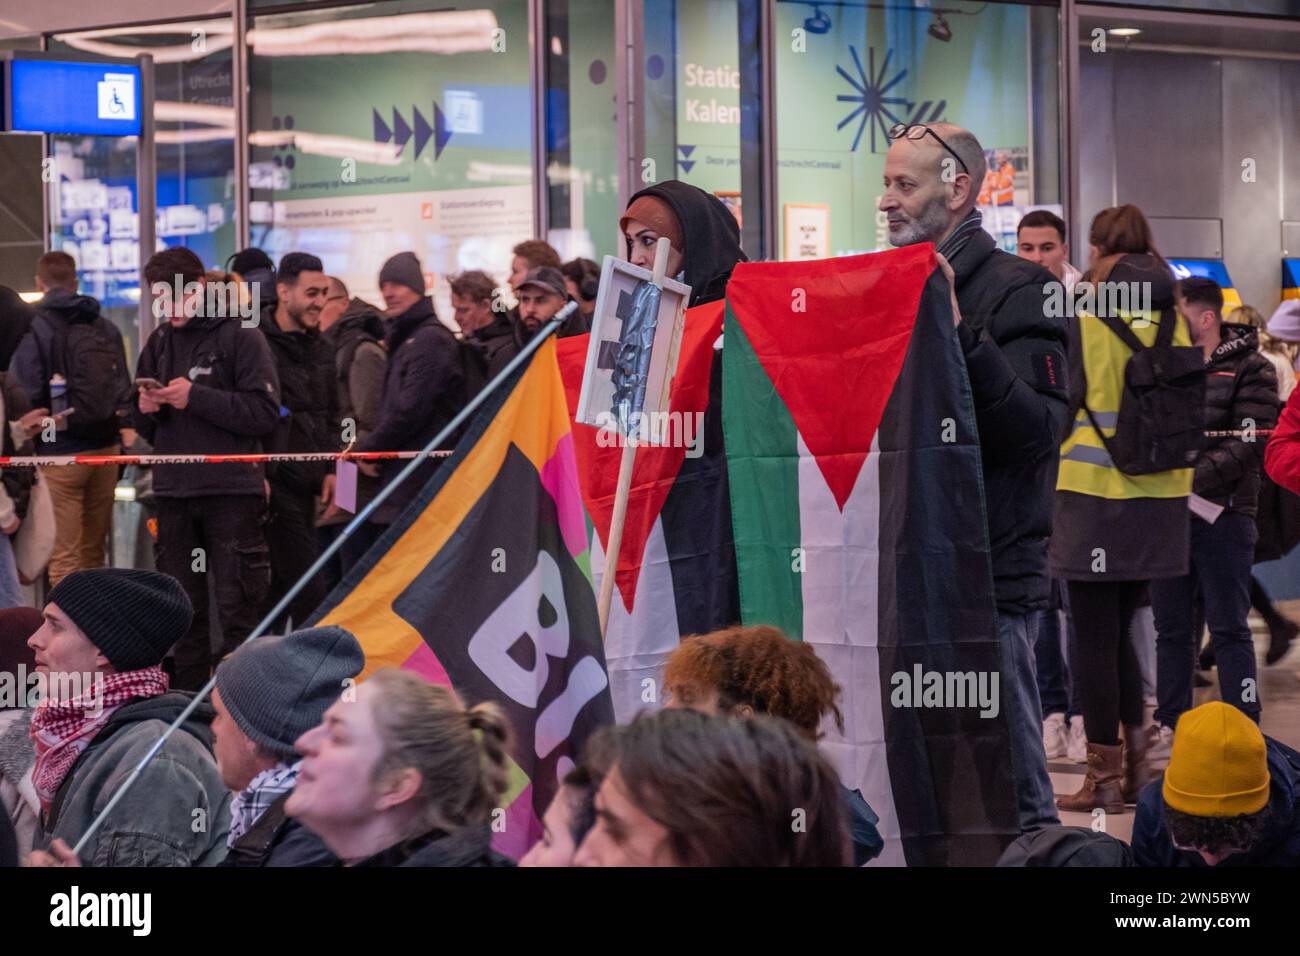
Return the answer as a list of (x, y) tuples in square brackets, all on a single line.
[(404, 269), (133, 617), (278, 688)]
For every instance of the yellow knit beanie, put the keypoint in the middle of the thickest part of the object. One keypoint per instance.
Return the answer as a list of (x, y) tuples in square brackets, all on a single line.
[(1219, 764)]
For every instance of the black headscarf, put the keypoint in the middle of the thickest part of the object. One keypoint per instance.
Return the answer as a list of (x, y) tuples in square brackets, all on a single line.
[(711, 237)]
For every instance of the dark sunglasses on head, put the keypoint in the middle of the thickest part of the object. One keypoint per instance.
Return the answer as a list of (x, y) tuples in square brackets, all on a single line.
[(919, 131)]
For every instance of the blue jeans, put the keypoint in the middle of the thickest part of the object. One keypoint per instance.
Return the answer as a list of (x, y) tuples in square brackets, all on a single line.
[(1221, 556), (1054, 651), (1035, 803), (11, 592)]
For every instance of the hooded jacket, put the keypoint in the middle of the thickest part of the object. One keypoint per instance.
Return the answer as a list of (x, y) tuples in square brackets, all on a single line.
[(359, 363), (234, 404), (1240, 387), (424, 388), (1279, 845), (33, 365), (1016, 360), (309, 405), (711, 237), (157, 822)]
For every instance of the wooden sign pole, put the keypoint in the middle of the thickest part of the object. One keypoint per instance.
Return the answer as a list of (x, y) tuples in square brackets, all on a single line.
[(615, 542)]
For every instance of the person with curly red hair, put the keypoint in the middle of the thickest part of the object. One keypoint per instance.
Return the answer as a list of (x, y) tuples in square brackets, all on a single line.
[(743, 671)]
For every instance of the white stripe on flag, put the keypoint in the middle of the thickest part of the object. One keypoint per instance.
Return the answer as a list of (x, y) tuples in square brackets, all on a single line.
[(840, 617), (637, 644)]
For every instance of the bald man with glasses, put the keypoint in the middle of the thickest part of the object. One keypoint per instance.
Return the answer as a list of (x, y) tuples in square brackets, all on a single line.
[(1016, 360)]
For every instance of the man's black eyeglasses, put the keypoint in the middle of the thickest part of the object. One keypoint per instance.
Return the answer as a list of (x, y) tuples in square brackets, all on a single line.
[(918, 131)]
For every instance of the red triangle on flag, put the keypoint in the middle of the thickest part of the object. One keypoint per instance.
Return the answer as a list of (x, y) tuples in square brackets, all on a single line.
[(832, 336), (656, 467)]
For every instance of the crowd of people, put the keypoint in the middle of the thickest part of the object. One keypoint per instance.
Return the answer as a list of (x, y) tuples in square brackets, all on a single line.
[(1124, 468)]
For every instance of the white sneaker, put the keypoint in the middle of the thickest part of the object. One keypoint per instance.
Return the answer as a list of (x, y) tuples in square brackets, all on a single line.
[(1160, 743), (1054, 736), (1076, 747)]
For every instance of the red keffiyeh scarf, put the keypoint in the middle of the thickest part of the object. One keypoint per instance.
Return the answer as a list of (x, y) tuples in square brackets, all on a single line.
[(62, 729)]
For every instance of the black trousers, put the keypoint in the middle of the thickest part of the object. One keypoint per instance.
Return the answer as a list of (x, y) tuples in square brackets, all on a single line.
[(217, 538), (291, 535), (1110, 678)]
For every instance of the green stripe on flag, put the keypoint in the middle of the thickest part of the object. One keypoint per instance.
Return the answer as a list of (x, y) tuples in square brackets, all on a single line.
[(763, 464)]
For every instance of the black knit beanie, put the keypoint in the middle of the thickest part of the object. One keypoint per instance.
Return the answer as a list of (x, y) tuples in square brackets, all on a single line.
[(404, 269), (278, 688), (133, 617)]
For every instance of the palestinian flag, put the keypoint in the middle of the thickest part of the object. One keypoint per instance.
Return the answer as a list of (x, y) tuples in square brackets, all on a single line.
[(484, 584), (676, 571), (858, 508)]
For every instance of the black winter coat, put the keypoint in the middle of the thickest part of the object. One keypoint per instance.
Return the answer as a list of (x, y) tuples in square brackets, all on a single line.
[(1240, 387), (500, 339), (1016, 360), (234, 404), (424, 388), (18, 481), (304, 362)]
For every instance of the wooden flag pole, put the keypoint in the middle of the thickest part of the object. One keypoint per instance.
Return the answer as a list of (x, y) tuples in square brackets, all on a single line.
[(615, 542)]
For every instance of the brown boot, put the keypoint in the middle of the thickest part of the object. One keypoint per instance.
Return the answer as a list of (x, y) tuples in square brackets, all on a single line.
[(1137, 768), (1101, 787)]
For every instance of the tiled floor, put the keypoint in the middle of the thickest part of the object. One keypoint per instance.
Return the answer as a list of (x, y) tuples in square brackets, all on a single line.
[(1279, 690)]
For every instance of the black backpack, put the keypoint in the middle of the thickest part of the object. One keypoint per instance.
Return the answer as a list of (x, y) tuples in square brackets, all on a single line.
[(93, 364), (1161, 421)]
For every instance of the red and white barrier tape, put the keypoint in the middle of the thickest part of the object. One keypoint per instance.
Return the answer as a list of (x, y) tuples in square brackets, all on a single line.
[(54, 460)]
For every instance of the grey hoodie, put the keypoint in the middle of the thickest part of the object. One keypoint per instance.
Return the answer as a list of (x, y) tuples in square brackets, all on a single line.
[(176, 814)]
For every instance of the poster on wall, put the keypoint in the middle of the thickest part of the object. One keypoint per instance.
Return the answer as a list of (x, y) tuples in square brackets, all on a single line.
[(449, 230), (807, 231)]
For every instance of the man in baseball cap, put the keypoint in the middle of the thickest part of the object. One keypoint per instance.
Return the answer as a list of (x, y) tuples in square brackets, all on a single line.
[(107, 703), (1227, 798), (268, 694), (541, 294)]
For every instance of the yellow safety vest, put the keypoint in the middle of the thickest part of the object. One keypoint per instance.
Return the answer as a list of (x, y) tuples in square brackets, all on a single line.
[(1086, 466)]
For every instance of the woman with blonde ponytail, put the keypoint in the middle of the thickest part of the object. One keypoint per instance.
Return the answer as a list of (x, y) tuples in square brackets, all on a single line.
[(401, 773)]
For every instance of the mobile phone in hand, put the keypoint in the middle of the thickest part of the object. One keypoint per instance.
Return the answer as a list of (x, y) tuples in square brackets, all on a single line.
[(148, 384)]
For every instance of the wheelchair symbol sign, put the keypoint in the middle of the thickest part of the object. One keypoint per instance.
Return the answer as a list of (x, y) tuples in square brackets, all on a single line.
[(117, 96)]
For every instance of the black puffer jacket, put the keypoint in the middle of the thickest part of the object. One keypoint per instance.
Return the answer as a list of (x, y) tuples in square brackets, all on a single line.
[(1240, 388), (304, 362), (1016, 360), (234, 404)]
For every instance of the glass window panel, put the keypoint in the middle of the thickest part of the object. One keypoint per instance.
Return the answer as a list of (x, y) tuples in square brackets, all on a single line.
[(384, 127), (845, 75)]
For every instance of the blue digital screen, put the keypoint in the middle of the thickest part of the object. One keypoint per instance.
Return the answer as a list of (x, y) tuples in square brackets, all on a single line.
[(57, 96)]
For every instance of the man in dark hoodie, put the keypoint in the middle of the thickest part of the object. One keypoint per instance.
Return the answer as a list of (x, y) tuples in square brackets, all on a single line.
[(1016, 359), (269, 693), (706, 246), (220, 395), (424, 385), (1240, 394), (309, 422), (100, 649), (355, 329), (73, 358)]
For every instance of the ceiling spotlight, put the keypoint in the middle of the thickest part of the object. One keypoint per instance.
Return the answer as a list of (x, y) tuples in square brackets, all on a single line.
[(818, 23), (1125, 32), (939, 28)]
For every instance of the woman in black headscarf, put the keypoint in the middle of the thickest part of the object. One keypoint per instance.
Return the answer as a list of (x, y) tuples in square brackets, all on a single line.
[(704, 234), (697, 512)]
